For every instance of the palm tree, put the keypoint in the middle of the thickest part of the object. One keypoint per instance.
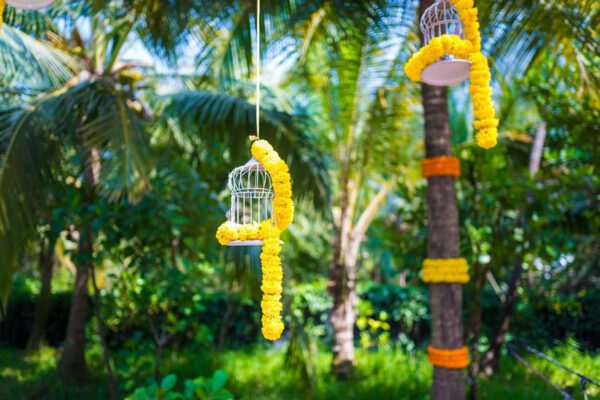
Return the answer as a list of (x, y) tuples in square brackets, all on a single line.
[(518, 35), (97, 117), (442, 239), (366, 122), (349, 65)]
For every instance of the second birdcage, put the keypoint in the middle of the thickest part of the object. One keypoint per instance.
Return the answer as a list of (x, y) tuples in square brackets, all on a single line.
[(251, 197), (439, 19)]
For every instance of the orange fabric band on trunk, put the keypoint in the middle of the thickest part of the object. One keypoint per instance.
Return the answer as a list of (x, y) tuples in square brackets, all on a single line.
[(441, 166), (450, 359)]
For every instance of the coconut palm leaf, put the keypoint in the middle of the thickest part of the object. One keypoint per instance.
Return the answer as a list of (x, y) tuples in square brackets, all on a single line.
[(27, 151), (228, 30), (196, 118), (93, 114), (30, 65), (35, 23), (348, 76), (520, 32)]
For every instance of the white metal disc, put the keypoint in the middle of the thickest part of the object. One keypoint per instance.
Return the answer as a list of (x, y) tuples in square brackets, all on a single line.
[(29, 4), (446, 72), (245, 243)]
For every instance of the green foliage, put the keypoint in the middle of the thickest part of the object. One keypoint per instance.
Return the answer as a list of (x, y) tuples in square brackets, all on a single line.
[(200, 388), (339, 109), (259, 373)]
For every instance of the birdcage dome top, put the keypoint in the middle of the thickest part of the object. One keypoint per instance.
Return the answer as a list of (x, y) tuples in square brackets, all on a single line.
[(250, 180), (439, 19)]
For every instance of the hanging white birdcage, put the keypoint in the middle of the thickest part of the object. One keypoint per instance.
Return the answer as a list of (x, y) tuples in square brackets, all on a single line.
[(251, 197), (441, 18), (29, 4)]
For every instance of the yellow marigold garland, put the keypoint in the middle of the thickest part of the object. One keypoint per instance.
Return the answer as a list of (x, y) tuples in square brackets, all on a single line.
[(441, 166), (269, 232), (451, 359), (2, 5), (445, 270), (470, 48)]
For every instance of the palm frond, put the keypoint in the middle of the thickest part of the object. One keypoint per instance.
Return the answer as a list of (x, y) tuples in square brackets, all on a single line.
[(93, 114), (519, 32), (347, 76), (195, 118), (228, 30), (103, 117), (35, 23), (29, 64), (26, 153)]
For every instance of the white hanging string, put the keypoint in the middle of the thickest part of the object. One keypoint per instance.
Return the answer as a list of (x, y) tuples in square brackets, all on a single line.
[(258, 68)]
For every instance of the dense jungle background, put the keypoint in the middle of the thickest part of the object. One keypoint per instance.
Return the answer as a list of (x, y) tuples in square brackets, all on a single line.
[(120, 120)]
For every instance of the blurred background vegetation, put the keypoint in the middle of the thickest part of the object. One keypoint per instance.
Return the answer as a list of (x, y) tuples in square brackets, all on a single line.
[(120, 120)]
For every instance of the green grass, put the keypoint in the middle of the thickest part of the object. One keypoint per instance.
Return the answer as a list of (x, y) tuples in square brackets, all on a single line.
[(380, 375), (261, 373), (33, 376)]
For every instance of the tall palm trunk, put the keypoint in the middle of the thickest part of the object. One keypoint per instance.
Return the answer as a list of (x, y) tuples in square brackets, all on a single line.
[(42, 306), (342, 287), (73, 364), (442, 241), (342, 271)]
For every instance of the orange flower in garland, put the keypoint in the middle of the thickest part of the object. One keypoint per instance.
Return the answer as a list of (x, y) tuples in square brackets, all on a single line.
[(451, 359), (470, 48)]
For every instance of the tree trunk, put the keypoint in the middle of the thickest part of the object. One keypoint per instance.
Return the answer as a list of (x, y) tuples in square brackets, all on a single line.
[(42, 306), (537, 149), (490, 362), (442, 241), (101, 330), (341, 286), (72, 364)]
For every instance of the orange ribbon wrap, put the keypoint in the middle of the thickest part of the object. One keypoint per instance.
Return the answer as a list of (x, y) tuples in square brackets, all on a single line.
[(441, 166), (450, 359)]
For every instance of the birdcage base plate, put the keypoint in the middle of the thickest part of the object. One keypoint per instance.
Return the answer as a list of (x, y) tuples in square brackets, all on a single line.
[(446, 72), (29, 4), (245, 243)]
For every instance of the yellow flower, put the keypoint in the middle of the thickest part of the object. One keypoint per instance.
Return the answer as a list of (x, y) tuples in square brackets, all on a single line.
[(227, 232), (272, 245), (272, 328), (271, 308), (271, 287)]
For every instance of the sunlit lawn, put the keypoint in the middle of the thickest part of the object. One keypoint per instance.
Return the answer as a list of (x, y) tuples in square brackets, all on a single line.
[(259, 373)]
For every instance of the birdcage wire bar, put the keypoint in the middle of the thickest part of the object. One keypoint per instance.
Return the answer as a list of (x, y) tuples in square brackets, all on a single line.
[(441, 18), (251, 197)]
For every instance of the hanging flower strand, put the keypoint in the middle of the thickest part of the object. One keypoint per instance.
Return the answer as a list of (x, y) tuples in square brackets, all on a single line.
[(470, 48), (269, 231)]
